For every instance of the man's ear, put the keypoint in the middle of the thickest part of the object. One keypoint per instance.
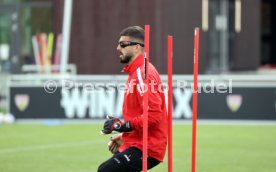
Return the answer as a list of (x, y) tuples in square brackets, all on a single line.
[(139, 49), (136, 49)]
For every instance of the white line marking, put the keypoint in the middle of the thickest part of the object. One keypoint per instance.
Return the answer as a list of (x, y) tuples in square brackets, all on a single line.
[(48, 146), (178, 121)]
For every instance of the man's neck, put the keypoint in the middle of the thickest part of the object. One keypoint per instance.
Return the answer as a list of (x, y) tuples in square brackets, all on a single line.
[(134, 58)]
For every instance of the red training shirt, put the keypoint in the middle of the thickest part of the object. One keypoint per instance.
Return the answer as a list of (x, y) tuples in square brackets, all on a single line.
[(133, 110)]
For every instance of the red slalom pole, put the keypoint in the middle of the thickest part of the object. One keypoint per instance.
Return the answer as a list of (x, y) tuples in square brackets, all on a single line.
[(145, 99), (195, 90), (170, 142)]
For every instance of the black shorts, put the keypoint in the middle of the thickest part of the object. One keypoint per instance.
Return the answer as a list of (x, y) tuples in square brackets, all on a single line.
[(129, 160)]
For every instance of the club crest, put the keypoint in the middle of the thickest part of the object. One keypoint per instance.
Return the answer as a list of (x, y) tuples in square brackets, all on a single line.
[(22, 101), (234, 102)]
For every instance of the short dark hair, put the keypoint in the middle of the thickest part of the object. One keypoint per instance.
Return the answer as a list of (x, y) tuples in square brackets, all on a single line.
[(134, 32)]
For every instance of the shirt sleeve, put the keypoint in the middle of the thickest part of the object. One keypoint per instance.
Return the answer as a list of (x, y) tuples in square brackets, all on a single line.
[(155, 104)]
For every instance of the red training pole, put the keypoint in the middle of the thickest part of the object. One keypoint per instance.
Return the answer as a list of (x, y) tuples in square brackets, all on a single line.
[(196, 43), (170, 142), (145, 98)]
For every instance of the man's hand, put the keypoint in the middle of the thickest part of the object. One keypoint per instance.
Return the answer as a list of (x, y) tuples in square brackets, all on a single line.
[(114, 124), (115, 142)]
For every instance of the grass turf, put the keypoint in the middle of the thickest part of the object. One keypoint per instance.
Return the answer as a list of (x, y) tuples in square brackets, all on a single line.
[(80, 148)]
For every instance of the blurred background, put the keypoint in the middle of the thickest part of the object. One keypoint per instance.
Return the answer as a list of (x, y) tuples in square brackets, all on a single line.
[(56, 40)]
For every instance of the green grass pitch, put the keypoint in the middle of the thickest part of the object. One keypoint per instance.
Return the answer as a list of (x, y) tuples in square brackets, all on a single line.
[(81, 148)]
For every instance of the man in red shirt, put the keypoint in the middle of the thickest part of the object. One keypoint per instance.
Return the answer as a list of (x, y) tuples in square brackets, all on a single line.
[(127, 146)]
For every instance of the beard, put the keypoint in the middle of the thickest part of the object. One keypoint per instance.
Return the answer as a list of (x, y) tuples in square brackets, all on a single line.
[(125, 58)]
